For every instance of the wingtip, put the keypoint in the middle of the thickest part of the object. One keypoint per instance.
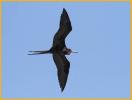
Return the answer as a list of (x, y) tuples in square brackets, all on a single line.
[(62, 89), (64, 10)]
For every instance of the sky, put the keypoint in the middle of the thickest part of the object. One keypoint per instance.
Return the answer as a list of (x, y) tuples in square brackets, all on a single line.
[(101, 35)]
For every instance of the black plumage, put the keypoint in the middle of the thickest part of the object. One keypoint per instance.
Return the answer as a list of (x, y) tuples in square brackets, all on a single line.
[(59, 49)]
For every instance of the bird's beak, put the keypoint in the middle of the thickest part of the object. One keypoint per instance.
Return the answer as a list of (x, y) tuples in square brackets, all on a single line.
[(74, 52)]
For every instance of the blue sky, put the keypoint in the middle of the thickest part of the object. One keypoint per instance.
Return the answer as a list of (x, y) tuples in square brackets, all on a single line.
[(101, 35)]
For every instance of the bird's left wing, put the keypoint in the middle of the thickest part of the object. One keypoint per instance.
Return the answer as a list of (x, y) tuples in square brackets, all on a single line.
[(64, 29), (63, 66)]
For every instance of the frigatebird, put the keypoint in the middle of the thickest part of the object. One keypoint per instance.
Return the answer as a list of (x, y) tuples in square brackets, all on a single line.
[(59, 49)]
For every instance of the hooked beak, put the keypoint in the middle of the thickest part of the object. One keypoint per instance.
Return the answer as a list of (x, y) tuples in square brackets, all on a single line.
[(74, 52)]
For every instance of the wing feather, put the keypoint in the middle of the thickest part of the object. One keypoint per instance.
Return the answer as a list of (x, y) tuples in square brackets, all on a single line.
[(63, 66)]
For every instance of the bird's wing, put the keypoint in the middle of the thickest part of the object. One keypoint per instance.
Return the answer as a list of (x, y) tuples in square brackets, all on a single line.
[(64, 29), (63, 66)]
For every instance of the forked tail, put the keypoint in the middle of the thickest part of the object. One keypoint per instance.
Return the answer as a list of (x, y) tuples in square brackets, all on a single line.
[(39, 52)]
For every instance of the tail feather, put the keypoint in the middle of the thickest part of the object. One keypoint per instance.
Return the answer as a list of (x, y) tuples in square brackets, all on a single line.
[(39, 52)]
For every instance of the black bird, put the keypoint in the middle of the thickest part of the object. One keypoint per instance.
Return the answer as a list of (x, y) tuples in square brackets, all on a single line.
[(59, 49)]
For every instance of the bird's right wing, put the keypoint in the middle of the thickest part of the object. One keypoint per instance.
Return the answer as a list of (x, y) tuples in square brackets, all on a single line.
[(63, 66), (64, 29)]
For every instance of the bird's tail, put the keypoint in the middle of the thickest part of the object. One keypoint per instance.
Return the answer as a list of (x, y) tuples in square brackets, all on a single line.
[(39, 52)]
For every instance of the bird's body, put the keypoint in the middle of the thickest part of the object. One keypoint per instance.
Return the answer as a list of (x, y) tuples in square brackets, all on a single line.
[(59, 49)]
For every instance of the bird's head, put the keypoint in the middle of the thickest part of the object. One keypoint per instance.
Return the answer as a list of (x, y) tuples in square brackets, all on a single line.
[(69, 51)]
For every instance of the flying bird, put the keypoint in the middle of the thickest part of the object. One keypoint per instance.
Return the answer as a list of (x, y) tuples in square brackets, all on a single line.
[(59, 49)]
